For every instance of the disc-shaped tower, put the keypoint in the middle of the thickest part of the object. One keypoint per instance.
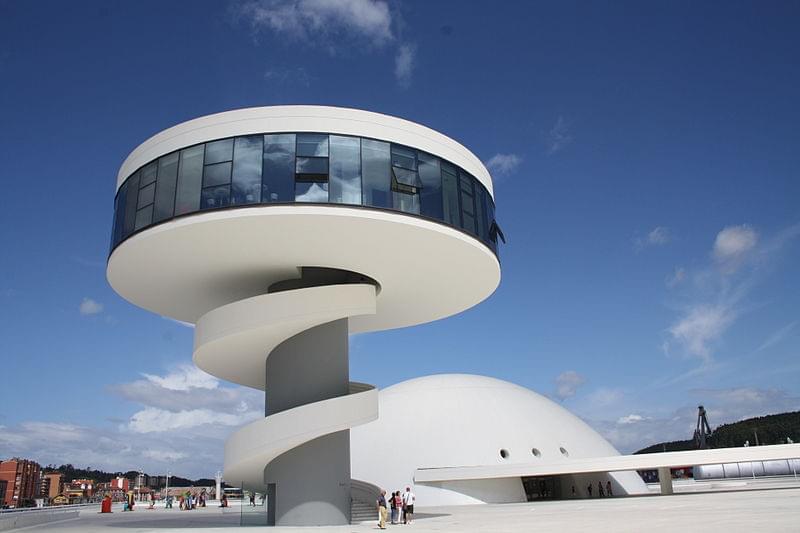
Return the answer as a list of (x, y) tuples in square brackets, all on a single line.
[(280, 230)]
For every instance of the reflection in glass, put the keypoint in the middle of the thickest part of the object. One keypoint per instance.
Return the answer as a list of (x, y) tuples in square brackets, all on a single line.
[(217, 174), (219, 151), (119, 215), (144, 217), (277, 182), (246, 181), (148, 174), (408, 203), (311, 191), (312, 145), (190, 176), (345, 170), (165, 189), (404, 157), (146, 195), (130, 204), (467, 203), (327, 168), (214, 197), (375, 164), (452, 213), (431, 194)]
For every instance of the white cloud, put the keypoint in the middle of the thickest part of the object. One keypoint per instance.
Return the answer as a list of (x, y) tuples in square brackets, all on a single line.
[(152, 419), (183, 378), (503, 164), (677, 277), (558, 137), (321, 20), (90, 307), (702, 326), (404, 64), (658, 236), (630, 419), (733, 243), (567, 384)]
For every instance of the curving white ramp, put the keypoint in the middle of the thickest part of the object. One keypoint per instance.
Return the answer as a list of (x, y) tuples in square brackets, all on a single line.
[(212, 227)]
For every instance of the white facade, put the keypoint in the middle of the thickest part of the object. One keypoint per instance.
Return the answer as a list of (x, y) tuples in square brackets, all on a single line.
[(466, 420)]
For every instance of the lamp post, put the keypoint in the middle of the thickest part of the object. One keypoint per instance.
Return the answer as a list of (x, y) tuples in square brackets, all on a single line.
[(219, 485), (167, 489)]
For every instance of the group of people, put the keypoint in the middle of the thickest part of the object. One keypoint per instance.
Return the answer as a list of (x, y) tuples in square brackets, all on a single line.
[(401, 505), (188, 501), (600, 492)]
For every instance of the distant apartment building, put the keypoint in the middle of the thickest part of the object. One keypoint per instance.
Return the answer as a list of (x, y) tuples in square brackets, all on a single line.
[(50, 485), (116, 489), (79, 490), (3, 485), (22, 482)]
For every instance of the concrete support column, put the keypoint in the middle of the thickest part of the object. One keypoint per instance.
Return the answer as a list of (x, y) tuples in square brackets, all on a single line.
[(665, 480), (310, 485)]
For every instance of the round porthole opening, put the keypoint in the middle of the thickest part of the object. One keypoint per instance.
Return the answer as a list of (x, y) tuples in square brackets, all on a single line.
[(536, 452), (564, 451), (504, 453)]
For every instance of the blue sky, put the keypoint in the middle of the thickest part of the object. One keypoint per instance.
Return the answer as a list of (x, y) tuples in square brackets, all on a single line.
[(645, 159)]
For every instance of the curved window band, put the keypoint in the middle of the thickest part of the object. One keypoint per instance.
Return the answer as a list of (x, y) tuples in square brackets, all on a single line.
[(303, 168)]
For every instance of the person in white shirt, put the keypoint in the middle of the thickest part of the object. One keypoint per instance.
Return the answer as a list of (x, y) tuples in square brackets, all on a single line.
[(408, 505)]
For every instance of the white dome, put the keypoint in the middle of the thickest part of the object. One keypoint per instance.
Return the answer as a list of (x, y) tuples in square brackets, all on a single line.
[(466, 420)]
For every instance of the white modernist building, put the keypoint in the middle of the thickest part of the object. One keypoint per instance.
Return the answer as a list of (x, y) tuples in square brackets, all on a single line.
[(280, 230)]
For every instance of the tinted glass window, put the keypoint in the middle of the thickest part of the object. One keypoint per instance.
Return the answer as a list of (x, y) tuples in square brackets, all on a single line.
[(467, 203), (375, 166), (404, 157), (313, 167), (480, 212), (165, 189), (190, 178), (144, 217), (149, 174), (219, 151), (312, 145), (130, 204), (246, 181), (431, 194), (217, 174), (277, 183), (214, 197), (406, 177), (146, 195), (408, 203), (452, 213), (119, 216), (311, 191), (345, 170)]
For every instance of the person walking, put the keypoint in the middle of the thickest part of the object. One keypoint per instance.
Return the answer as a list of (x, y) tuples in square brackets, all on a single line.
[(408, 505), (382, 512), (589, 489), (393, 505), (398, 503), (608, 489), (600, 491)]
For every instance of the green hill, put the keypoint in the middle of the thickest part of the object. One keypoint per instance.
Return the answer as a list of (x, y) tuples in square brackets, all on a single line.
[(771, 429)]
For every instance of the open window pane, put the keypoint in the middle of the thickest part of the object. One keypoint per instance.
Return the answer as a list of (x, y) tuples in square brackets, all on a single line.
[(315, 168), (345, 170), (246, 180), (404, 157), (277, 182)]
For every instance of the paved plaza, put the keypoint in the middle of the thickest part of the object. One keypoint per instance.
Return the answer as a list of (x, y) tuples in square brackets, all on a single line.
[(748, 510)]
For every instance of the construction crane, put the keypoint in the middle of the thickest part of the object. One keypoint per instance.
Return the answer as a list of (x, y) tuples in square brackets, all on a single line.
[(702, 433)]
